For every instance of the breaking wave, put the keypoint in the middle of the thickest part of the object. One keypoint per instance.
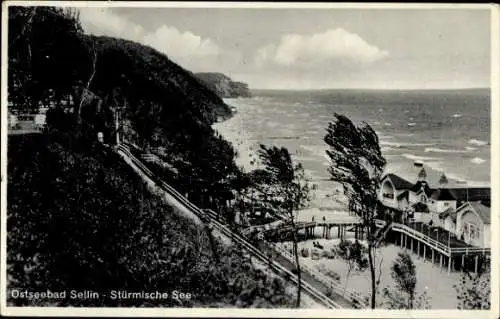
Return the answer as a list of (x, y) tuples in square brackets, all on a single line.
[(440, 150), (477, 160), (419, 158), (477, 142), (401, 144)]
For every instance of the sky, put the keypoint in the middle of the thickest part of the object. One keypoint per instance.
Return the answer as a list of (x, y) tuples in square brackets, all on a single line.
[(283, 48)]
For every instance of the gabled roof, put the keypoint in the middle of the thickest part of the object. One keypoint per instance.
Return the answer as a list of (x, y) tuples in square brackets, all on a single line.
[(449, 212), (402, 195), (422, 184), (398, 182), (483, 211), (422, 174), (442, 194)]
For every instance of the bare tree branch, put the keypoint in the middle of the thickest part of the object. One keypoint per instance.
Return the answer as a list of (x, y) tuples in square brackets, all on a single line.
[(89, 82)]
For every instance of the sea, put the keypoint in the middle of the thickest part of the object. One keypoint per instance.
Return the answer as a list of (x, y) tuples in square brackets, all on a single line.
[(447, 130)]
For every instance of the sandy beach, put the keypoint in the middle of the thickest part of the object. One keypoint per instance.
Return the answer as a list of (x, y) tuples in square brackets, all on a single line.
[(430, 278)]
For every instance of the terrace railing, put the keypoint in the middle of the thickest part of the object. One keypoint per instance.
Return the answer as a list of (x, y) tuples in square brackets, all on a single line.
[(439, 246)]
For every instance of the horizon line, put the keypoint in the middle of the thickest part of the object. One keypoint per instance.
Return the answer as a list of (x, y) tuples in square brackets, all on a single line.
[(373, 89)]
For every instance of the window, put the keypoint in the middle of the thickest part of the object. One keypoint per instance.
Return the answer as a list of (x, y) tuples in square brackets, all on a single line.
[(446, 204), (472, 231)]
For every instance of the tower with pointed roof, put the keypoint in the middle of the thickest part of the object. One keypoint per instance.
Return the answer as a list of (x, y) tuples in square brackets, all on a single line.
[(422, 175), (443, 181)]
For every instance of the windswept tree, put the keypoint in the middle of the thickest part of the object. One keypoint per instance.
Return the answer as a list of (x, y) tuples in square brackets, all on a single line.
[(288, 191), (357, 163)]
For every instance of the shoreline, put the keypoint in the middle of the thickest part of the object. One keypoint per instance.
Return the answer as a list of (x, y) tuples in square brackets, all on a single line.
[(313, 158)]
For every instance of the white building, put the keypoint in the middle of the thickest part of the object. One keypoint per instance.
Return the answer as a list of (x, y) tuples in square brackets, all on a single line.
[(464, 212)]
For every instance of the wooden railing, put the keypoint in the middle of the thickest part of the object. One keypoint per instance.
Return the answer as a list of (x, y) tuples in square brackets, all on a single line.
[(300, 225), (210, 216), (354, 297), (444, 249)]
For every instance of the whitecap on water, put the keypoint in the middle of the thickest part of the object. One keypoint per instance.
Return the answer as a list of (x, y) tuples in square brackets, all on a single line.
[(419, 158), (477, 160), (477, 142), (440, 150)]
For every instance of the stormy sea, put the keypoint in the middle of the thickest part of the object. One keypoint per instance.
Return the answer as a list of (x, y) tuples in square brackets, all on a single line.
[(446, 130)]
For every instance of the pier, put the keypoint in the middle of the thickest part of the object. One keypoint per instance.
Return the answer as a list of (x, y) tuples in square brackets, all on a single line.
[(328, 229)]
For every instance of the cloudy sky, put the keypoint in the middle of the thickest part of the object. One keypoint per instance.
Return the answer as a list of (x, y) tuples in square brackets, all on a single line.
[(314, 48)]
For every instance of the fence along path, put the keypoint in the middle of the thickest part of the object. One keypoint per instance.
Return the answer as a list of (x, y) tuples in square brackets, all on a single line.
[(334, 285), (211, 217)]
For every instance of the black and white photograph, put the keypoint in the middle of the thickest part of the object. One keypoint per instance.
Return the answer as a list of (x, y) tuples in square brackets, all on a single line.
[(238, 157)]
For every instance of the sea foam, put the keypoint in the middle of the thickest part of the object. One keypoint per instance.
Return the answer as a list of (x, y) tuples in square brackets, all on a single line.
[(477, 160), (477, 142), (401, 144), (440, 150), (419, 158)]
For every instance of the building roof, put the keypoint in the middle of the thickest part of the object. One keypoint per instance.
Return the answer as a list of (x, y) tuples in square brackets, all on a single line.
[(398, 182), (422, 174), (443, 194), (402, 195), (422, 184), (483, 211), (449, 212), (473, 194), (420, 207)]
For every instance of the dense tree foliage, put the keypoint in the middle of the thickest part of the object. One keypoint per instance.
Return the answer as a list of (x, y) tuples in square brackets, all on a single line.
[(77, 218), (81, 219), (88, 81), (357, 163), (404, 295), (474, 289)]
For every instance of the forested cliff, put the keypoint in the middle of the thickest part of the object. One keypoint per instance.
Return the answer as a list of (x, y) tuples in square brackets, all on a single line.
[(79, 218)]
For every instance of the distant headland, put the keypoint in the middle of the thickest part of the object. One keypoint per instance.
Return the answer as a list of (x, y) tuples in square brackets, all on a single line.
[(223, 85)]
